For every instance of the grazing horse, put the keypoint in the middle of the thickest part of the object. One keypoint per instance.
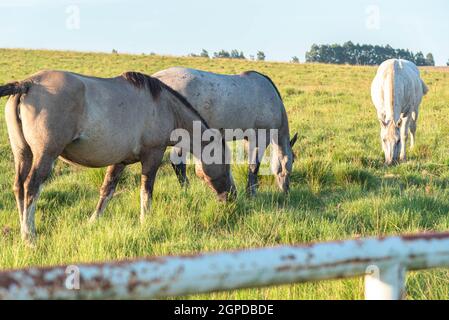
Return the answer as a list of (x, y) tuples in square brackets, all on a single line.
[(96, 122), (397, 91), (240, 102)]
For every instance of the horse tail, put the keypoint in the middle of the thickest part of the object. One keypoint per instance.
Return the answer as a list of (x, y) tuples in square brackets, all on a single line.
[(14, 122), (14, 88), (12, 111)]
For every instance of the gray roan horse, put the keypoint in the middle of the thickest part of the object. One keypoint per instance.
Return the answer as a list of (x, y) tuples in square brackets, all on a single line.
[(96, 122), (246, 101)]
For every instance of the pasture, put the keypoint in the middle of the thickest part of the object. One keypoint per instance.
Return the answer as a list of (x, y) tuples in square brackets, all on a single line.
[(340, 188)]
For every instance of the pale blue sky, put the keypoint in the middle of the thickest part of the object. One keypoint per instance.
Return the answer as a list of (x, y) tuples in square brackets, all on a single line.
[(281, 28)]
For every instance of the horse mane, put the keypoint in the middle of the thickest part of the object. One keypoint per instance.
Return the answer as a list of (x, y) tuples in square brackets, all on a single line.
[(266, 77), (140, 80)]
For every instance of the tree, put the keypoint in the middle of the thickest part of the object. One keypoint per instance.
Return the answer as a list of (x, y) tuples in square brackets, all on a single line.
[(222, 54), (261, 56), (350, 55), (447, 63), (235, 54), (364, 54), (295, 59), (419, 59), (204, 54), (429, 60), (313, 55)]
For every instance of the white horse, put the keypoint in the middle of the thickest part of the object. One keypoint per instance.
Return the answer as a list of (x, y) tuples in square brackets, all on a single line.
[(240, 102), (397, 92)]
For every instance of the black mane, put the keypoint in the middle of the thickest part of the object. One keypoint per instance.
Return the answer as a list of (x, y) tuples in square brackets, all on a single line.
[(140, 80)]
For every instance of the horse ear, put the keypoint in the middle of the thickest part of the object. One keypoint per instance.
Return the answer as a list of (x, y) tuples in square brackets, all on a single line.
[(294, 140), (425, 88)]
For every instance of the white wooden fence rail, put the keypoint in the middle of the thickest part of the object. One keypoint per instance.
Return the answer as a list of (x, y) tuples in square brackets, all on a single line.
[(383, 261)]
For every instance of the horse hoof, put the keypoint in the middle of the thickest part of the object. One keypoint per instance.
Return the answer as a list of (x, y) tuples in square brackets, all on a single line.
[(251, 191), (93, 219), (185, 184), (31, 244), (29, 240), (251, 194)]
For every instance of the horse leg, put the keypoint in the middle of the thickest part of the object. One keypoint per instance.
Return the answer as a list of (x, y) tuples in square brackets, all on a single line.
[(255, 155), (23, 157), (39, 172), (107, 190), (413, 131), (181, 168), (404, 138), (151, 161), (23, 160), (253, 170)]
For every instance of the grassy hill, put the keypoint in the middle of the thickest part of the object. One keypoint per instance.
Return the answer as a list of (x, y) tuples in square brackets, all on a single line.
[(340, 188)]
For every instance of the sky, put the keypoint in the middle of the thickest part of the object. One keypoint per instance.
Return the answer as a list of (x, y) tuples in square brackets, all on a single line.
[(282, 28)]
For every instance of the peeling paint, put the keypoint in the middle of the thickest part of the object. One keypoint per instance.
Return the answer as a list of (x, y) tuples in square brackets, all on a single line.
[(149, 278)]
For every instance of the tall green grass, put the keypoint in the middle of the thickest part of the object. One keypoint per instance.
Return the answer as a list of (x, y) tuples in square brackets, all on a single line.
[(340, 188)]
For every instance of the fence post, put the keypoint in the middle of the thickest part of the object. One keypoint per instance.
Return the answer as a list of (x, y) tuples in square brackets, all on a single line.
[(385, 283)]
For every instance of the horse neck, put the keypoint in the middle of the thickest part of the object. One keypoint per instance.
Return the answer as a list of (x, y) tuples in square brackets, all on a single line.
[(190, 121), (282, 147)]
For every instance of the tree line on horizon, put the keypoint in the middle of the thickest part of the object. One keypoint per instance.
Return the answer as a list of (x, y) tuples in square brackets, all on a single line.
[(233, 54), (348, 53), (363, 54)]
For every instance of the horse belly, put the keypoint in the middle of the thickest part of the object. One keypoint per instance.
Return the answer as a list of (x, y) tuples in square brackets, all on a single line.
[(112, 129), (96, 154)]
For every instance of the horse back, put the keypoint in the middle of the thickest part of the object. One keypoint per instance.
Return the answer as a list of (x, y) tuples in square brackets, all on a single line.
[(91, 121), (397, 89), (244, 101)]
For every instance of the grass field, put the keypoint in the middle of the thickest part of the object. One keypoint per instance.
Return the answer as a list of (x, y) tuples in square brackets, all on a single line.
[(340, 188)]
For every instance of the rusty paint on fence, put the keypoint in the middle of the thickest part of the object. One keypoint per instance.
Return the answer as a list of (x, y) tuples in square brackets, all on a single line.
[(202, 273)]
